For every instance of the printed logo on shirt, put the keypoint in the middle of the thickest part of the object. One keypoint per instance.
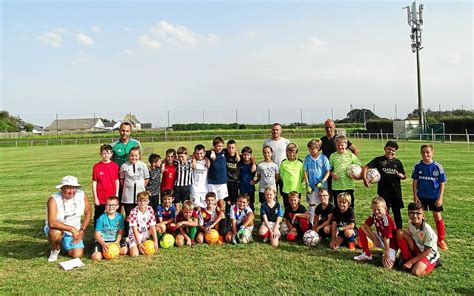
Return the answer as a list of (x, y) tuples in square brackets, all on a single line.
[(435, 174)]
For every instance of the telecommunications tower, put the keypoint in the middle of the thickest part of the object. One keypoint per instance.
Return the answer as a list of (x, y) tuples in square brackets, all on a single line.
[(415, 21)]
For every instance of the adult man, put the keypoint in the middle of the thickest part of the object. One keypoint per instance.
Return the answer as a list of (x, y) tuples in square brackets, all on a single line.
[(278, 145), (63, 223), (121, 147), (329, 145)]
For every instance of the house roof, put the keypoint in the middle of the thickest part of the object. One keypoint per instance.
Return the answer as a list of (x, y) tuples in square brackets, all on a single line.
[(73, 124), (131, 118)]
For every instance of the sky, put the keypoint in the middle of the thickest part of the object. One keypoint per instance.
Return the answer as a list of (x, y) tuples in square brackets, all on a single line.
[(230, 61)]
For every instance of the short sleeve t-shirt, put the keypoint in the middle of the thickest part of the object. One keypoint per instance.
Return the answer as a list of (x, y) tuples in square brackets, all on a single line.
[(239, 215), (200, 176), (340, 162), (166, 213), (232, 169), (121, 150), (154, 184), (206, 218), (291, 173), (245, 176), (323, 213), (344, 219), (290, 214), (316, 168), (389, 184), (328, 146), (429, 177), (134, 176), (168, 177), (143, 221), (385, 227), (109, 227), (180, 217), (106, 175), (267, 172), (217, 173), (424, 238), (278, 148), (272, 213)]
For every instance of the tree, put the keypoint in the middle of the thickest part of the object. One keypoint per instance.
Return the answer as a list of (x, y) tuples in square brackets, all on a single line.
[(361, 115)]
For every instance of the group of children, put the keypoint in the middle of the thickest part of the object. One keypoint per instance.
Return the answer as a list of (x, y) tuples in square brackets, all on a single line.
[(215, 189)]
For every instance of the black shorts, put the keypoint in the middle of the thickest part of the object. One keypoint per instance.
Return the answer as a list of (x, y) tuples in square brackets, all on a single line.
[(98, 247), (233, 191), (430, 205), (181, 194), (393, 201)]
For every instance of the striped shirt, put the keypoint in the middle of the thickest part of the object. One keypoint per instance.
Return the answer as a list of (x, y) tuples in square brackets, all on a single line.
[(184, 173)]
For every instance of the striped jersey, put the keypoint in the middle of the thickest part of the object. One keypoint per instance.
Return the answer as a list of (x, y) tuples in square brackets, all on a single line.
[(184, 173)]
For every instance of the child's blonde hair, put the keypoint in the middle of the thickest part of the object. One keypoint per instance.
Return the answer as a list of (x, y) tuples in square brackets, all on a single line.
[(292, 147), (314, 143), (426, 146), (341, 138), (294, 193), (144, 195), (270, 188), (188, 205), (344, 196), (378, 201), (182, 150)]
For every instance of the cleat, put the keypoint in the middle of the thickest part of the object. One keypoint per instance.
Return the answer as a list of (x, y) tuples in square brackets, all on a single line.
[(363, 257), (442, 245), (352, 246), (53, 256)]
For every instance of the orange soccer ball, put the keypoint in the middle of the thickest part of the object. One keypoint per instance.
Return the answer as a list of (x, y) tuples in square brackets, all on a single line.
[(212, 237), (149, 246), (369, 241), (112, 252)]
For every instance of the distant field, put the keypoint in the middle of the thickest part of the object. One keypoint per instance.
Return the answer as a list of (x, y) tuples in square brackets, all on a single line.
[(28, 176)]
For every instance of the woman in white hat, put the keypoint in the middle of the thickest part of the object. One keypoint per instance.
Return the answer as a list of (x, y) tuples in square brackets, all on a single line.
[(66, 209)]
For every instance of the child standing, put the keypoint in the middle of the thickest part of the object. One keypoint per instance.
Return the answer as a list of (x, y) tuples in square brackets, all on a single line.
[(105, 181), (209, 217), (154, 183), (109, 229), (343, 223), (316, 173), (428, 188), (385, 236), (166, 213), (391, 172), (184, 178), (186, 222), (232, 160), (417, 244), (268, 173), (241, 217), (247, 169), (323, 214), (168, 170), (217, 174), (142, 225), (296, 217), (134, 178), (291, 173), (340, 162), (200, 169), (271, 214)]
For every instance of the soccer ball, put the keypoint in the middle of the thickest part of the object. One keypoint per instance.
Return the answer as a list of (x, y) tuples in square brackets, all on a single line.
[(212, 237), (354, 172), (244, 235), (291, 236), (311, 238), (284, 229), (149, 246), (112, 252), (369, 242), (373, 176), (167, 241), (171, 228)]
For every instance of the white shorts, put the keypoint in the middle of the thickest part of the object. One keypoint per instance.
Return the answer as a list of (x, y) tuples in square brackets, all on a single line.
[(313, 198), (219, 189), (272, 226), (391, 252), (131, 239), (199, 199)]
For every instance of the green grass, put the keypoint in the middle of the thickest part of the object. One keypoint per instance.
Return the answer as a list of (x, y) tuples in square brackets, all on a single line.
[(28, 176)]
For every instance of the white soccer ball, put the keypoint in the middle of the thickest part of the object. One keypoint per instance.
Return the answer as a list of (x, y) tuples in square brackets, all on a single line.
[(244, 236), (373, 175), (284, 229), (311, 238), (354, 172)]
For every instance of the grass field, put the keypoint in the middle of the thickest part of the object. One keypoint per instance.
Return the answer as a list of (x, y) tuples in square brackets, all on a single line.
[(28, 176)]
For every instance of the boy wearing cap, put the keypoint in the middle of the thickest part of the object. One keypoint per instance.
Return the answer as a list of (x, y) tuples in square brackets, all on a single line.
[(391, 172), (63, 222)]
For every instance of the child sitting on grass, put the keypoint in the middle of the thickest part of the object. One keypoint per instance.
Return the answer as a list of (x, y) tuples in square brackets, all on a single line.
[(343, 223), (166, 213), (109, 229), (209, 217), (241, 217), (323, 214), (186, 222), (385, 237), (142, 225), (271, 215), (295, 217), (417, 244)]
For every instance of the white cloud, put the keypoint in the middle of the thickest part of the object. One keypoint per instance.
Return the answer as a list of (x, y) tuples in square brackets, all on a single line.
[(251, 34), (169, 35), (84, 39), (96, 29), (128, 52), (145, 40), (51, 39)]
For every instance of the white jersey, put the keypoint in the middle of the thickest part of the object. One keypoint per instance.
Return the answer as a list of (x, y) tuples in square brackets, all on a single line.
[(425, 237), (278, 147), (69, 211), (200, 176)]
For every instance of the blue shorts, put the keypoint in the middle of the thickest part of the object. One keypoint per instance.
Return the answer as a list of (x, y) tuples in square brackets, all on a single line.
[(66, 241)]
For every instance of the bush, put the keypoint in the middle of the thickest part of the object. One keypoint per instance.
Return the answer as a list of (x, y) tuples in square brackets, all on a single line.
[(374, 126), (458, 125)]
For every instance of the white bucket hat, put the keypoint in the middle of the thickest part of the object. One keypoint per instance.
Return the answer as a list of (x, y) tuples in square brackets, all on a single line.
[(69, 181)]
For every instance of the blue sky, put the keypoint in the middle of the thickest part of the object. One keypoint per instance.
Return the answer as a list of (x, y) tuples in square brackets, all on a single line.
[(148, 57)]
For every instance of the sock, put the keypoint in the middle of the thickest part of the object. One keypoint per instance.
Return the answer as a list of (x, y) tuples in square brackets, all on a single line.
[(363, 242), (440, 229), (351, 238), (267, 234), (312, 207), (405, 251), (192, 231)]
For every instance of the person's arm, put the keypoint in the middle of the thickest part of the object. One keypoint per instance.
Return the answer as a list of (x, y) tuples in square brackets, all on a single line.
[(94, 192), (253, 169), (386, 252), (249, 220), (100, 240), (119, 236), (439, 201), (276, 228), (409, 263), (52, 218), (334, 233), (364, 176), (136, 235), (146, 182), (305, 177), (85, 220), (117, 187), (234, 226), (354, 149), (220, 216), (414, 186)]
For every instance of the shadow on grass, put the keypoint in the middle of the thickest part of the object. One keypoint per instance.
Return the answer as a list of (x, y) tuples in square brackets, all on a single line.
[(32, 228), (24, 250)]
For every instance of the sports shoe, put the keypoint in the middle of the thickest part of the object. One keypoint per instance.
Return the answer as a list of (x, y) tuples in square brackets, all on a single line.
[(352, 246), (265, 239), (363, 257), (442, 245), (53, 256), (221, 240)]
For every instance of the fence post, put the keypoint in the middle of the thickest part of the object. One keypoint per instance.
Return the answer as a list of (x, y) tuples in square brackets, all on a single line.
[(467, 139)]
